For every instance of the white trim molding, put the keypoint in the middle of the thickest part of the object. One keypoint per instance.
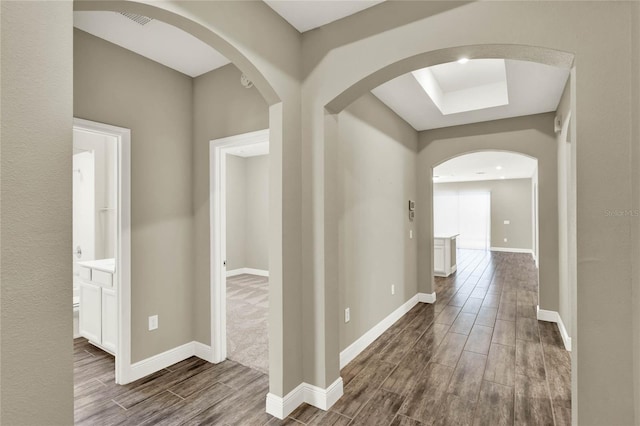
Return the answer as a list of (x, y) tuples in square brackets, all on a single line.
[(352, 351), (203, 351), (167, 358), (250, 271), (123, 367), (427, 297), (162, 360), (323, 399), (553, 316), (218, 233), (281, 407), (512, 250)]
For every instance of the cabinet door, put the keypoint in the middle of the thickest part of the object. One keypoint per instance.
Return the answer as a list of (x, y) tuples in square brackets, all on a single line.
[(438, 259), (91, 312), (109, 319)]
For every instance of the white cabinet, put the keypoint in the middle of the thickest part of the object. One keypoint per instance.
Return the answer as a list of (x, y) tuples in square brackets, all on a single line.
[(109, 319), (91, 312), (98, 305), (438, 258), (444, 255)]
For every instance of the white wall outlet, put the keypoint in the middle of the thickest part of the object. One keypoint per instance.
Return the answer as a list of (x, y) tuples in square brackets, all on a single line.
[(347, 315), (505, 240), (393, 289), (153, 322), (411, 234), (507, 222)]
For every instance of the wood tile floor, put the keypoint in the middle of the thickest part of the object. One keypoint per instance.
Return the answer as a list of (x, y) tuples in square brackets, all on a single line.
[(477, 356)]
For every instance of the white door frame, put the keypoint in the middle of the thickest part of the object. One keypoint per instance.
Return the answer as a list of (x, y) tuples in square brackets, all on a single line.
[(123, 245), (218, 233)]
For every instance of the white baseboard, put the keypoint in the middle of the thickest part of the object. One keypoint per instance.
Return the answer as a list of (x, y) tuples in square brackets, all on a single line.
[(251, 271), (162, 360), (427, 297), (167, 358), (203, 351), (281, 407), (352, 351), (553, 316), (512, 250), (323, 399)]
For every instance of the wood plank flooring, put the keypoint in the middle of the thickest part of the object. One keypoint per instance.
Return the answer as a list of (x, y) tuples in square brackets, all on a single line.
[(477, 356)]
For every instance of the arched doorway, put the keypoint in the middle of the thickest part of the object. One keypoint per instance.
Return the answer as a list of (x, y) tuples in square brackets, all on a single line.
[(269, 88), (431, 152)]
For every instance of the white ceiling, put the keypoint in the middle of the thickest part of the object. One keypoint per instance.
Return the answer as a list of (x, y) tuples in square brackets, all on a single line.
[(253, 150), (485, 165), (155, 40), (455, 87), (179, 50), (533, 88), (306, 15)]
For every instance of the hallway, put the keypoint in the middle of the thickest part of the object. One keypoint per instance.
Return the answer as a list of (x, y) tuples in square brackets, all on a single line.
[(477, 356)]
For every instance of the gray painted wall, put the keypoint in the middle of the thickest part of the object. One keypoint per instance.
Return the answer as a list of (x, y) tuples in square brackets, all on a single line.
[(247, 212), (510, 200), (222, 107), (257, 225), (236, 212), (115, 86), (376, 177), (36, 354)]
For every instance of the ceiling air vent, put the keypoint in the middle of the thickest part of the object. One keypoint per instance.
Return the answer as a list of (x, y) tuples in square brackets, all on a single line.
[(138, 19)]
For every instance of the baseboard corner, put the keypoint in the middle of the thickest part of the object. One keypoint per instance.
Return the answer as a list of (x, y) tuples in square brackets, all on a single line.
[(159, 361), (323, 398), (427, 297), (281, 407), (554, 316), (250, 271), (203, 351)]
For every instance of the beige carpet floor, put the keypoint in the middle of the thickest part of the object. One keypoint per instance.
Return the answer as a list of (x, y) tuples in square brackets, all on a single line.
[(247, 306)]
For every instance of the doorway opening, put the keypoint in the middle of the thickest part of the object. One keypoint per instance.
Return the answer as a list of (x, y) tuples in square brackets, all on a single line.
[(484, 201), (101, 243), (240, 248)]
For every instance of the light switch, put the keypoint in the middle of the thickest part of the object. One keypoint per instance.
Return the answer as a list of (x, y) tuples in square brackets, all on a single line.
[(507, 222)]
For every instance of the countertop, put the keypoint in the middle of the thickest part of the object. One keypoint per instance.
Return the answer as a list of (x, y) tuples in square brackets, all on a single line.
[(446, 237), (105, 265)]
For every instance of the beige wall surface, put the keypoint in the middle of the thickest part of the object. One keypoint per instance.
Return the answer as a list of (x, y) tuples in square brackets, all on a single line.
[(510, 200), (531, 135), (36, 354), (377, 177), (247, 208), (257, 225), (115, 86), (236, 212), (222, 107)]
